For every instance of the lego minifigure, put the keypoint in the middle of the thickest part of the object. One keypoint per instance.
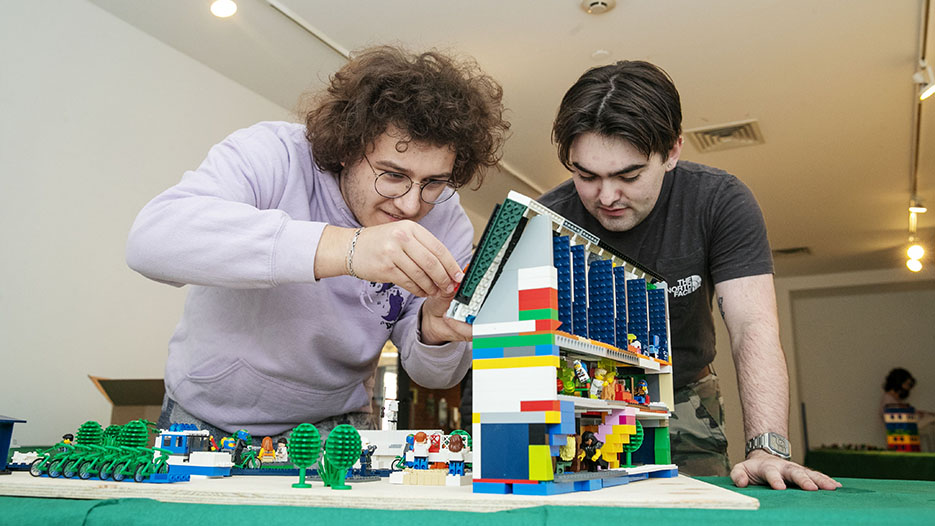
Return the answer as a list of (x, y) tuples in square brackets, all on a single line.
[(456, 455), (282, 450), (566, 455), (641, 396), (420, 451), (267, 453), (590, 453), (597, 384)]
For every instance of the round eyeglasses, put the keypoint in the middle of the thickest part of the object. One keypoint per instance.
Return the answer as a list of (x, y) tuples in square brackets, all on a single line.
[(394, 184)]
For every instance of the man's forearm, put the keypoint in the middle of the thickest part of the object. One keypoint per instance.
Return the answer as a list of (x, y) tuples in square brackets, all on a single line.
[(764, 385), (748, 306)]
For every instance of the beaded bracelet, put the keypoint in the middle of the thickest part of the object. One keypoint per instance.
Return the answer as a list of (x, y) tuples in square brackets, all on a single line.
[(350, 253)]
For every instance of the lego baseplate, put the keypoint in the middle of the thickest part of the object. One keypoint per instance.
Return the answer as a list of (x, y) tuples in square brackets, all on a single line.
[(678, 492)]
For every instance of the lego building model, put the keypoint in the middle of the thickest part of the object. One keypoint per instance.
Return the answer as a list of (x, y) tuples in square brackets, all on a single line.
[(572, 375), (902, 428)]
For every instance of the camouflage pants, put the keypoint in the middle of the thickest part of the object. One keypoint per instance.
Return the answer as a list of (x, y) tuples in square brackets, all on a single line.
[(172, 413), (696, 430)]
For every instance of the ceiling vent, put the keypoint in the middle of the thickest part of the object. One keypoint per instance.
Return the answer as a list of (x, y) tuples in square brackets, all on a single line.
[(726, 136), (793, 251)]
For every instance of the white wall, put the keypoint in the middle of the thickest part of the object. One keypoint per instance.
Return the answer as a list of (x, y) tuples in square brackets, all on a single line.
[(96, 118), (841, 334), (847, 340)]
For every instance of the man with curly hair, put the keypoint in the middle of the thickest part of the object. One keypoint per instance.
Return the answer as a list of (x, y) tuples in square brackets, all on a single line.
[(307, 247)]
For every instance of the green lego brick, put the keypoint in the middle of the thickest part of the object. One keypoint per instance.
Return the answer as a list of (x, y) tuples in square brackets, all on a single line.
[(514, 341), (538, 314), (497, 233), (661, 446)]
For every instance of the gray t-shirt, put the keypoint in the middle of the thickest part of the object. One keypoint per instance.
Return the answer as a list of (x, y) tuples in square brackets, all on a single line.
[(706, 228)]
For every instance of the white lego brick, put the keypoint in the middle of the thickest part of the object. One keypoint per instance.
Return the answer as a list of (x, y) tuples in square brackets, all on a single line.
[(458, 480), (397, 477), (502, 390), (519, 198), (475, 448), (504, 327), (538, 277), (513, 417)]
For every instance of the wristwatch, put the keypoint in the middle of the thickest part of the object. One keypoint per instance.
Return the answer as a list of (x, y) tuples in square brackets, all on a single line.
[(772, 443)]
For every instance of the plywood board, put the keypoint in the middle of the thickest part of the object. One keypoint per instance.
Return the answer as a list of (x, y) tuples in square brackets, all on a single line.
[(679, 492)]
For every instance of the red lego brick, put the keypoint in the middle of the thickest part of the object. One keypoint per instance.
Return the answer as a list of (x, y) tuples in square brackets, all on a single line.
[(540, 405), (544, 298)]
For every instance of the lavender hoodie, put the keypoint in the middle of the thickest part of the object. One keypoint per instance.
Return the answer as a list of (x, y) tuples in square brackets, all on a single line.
[(261, 344)]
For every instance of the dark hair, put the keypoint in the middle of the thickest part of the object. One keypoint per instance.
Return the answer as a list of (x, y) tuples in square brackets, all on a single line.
[(429, 96), (896, 379), (634, 100)]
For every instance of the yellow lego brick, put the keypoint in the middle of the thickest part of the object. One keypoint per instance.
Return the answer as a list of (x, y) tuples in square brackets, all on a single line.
[(540, 463), (553, 417), (475, 417), (624, 429), (517, 361)]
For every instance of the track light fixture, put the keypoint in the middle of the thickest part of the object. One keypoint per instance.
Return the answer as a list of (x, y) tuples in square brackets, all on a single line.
[(916, 251), (925, 78)]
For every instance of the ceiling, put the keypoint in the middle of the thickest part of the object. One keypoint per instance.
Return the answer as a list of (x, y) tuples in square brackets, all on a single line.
[(830, 84)]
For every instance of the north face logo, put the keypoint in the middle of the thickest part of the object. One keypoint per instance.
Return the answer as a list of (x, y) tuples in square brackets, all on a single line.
[(686, 286)]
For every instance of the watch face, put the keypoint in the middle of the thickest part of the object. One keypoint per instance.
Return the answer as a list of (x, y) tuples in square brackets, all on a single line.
[(778, 443)]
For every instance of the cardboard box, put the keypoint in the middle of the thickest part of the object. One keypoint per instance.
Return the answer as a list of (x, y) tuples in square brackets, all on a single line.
[(132, 399)]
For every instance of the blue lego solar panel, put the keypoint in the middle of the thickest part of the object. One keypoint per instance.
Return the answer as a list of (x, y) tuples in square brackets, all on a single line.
[(601, 301), (657, 322), (561, 257), (579, 283), (637, 311), (620, 307)]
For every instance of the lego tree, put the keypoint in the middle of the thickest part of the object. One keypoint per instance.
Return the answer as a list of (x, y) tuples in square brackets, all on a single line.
[(636, 440), (304, 448), (134, 434), (90, 433), (342, 449), (110, 435)]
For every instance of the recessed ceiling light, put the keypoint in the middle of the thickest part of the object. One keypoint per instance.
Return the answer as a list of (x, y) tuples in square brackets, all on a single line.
[(597, 7), (223, 8), (600, 55)]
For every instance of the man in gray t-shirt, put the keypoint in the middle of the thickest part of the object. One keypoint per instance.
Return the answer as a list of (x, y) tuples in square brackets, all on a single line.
[(618, 131)]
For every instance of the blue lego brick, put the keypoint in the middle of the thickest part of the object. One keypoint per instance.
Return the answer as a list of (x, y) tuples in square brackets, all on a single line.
[(565, 427), (657, 321), (637, 310), (547, 350), (664, 474), (616, 481), (589, 485), (544, 488), (558, 440), (166, 478), (505, 454), (601, 301), (554, 450), (646, 453), (579, 281), (897, 426), (495, 488), (561, 257), (638, 476), (483, 354), (620, 307)]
